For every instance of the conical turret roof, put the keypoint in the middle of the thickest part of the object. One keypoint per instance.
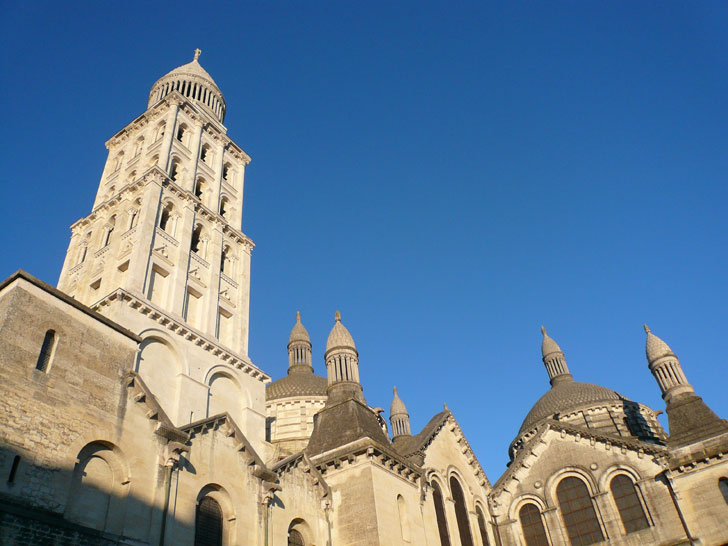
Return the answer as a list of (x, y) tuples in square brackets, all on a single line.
[(299, 332), (397, 407), (548, 345), (339, 336), (655, 348)]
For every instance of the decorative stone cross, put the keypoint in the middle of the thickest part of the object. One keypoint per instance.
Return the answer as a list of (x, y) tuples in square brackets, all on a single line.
[(197, 53)]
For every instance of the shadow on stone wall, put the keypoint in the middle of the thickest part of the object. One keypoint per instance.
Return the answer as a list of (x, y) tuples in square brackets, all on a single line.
[(46, 505)]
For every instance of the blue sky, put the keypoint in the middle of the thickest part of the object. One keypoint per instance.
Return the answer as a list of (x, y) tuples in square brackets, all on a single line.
[(449, 176)]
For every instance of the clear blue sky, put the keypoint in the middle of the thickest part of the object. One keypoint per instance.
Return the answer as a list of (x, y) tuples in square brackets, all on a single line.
[(449, 176)]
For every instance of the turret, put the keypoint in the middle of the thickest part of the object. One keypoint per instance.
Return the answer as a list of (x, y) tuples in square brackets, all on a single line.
[(299, 349), (666, 368), (399, 418), (554, 360), (342, 364)]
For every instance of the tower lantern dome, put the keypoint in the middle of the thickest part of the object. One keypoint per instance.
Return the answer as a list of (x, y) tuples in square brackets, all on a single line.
[(193, 82), (342, 363)]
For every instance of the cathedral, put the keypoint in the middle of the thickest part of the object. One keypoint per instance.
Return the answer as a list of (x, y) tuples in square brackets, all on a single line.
[(132, 414)]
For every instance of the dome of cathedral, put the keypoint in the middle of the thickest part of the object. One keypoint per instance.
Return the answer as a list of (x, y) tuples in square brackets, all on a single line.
[(339, 336), (299, 332), (297, 384), (565, 396), (655, 347), (193, 82)]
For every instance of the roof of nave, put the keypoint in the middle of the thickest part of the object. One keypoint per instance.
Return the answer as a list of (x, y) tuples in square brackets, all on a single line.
[(567, 395), (297, 384)]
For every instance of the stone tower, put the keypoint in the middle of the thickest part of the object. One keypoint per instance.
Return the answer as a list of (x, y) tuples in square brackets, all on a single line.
[(162, 251)]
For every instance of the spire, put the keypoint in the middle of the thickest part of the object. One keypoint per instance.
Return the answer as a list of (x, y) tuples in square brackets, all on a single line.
[(554, 360), (666, 367), (342, 363), (398, 417), (299, 348)]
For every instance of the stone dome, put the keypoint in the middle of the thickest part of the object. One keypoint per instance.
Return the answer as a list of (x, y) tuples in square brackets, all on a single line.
[(299, 332), (567, 395), (193, 82), (655, 348), (297, 384), (339, 336)]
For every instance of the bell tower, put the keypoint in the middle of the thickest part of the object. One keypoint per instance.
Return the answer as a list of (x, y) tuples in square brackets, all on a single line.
[(162, 248)]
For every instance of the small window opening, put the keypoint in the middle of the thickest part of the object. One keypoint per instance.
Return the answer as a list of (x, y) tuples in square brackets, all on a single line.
[(226, 172), (14, 469), (181, 133), (164, 218), (174, 171), (205, 153), (195, 245), (223, 208), (46, 351), (199, 189), (723, 486)]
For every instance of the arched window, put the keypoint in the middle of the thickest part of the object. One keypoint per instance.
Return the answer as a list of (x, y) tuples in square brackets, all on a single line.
[(404, 526), (628, 503), (208, 523), (174, 170), (195, 243), (577, 509), (46, 351), (224, 207), (159, 133), (440, 513), (461, 512), (481, 526), (723, 486), (182, 133), (118, 161), (224, 267), (295, 538), (109, 230), (227, 172), (138, 146), (532, 525), (164, 217), (200, 189), (205, 154)]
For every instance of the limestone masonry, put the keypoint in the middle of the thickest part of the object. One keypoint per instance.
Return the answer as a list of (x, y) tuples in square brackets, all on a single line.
[(131, 413)]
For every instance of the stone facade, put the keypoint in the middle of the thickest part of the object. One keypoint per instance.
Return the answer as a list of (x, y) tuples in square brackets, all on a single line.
[(132, 413)]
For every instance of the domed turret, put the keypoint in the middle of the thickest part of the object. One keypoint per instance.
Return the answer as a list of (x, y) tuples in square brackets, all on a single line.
[(191, 81), (342, 363), (398, 417), (666, 367), (299, 348), (554, 360)]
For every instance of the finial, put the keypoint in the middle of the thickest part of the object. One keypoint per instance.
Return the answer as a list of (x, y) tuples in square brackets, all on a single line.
[(647, 328), (197, 53), (337, 316), (298, 316), (395, 391), (446, 408), (543, 330)]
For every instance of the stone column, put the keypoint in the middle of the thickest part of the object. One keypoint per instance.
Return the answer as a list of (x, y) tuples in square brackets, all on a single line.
[(183, 234), (607, 515), (169, 129), (212, 256), (242, 301), (143, 238)]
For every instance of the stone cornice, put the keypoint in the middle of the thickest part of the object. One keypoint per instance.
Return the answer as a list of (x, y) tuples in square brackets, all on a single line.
[(182, 329), (143, 395), (211, 126), (229, 428), (301, 460), (366, 449)]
